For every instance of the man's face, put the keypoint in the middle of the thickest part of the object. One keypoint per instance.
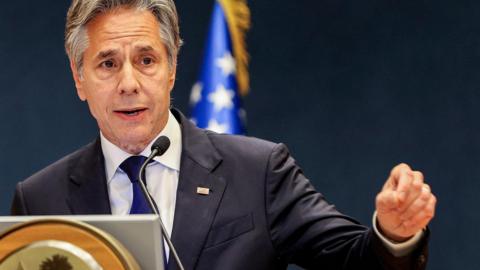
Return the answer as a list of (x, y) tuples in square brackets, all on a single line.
[(126, 79)]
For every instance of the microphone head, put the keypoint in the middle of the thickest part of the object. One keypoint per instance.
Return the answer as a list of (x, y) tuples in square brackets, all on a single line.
[(161, 145)]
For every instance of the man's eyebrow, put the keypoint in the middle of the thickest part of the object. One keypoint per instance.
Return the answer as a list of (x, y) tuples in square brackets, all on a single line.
[(107, 53), (144, 48)]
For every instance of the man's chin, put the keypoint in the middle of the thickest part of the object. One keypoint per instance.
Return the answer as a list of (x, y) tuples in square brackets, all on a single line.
[(133, 144), (133, 149)]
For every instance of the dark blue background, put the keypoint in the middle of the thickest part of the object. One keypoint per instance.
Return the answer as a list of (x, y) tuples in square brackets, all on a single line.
[(353, 87)]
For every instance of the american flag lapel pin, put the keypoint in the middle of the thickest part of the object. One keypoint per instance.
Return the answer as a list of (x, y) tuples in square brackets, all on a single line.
[(203, 190)]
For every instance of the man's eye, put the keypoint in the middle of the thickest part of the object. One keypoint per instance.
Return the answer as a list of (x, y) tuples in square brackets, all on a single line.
[(108, 64), (147, 61)]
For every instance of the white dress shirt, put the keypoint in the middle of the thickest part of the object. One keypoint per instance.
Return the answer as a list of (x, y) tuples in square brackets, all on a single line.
[(161, 175)]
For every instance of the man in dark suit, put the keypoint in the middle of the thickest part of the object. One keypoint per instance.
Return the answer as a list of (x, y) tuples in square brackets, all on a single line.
[(229, 202)]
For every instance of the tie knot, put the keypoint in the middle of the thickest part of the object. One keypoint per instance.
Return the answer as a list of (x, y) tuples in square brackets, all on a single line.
[(131, 166)]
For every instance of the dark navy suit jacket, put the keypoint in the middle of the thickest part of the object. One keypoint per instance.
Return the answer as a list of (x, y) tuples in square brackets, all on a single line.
[(261, 213)]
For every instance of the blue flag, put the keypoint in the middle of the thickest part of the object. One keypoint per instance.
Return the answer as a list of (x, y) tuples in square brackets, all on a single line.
[(215, 100)]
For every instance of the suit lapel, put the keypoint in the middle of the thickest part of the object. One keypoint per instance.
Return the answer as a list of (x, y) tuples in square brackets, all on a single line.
[(194, 213), (88, 193)]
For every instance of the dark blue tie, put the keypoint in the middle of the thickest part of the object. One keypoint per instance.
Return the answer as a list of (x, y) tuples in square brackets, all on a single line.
[(131, 166)]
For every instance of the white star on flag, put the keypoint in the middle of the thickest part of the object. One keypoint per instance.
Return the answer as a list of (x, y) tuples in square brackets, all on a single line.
[(222, 98), (196, 94), (213, 125), (227, 64)]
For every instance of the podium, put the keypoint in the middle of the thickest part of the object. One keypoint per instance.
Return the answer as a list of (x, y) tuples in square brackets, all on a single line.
[(81, 242)]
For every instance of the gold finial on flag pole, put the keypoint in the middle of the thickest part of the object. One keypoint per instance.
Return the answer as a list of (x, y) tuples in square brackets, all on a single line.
[(238, 19)]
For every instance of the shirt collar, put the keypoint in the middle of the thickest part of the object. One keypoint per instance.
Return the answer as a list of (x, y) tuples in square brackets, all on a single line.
[(114, 156)]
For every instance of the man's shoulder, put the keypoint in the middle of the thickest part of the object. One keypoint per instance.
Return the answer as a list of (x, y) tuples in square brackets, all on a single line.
[(224, 143), (60, 169), (241, 145)]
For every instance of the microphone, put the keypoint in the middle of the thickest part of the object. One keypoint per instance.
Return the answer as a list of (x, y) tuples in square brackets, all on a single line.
[(159, 147)]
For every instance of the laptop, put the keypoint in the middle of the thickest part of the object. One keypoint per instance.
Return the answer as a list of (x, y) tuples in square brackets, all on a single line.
[(140, 234)]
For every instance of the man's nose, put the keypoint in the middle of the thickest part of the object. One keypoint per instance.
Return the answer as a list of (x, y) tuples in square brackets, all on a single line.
[(129, 83)]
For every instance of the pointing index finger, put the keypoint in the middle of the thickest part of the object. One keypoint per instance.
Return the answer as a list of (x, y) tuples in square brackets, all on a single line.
[(403, 178)]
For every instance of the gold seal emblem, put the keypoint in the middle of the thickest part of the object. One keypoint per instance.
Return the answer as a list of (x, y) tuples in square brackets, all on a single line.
[(50, 255), (61, 244)]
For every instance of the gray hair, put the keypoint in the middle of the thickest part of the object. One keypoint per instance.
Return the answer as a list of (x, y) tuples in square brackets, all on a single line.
[(82, 11)]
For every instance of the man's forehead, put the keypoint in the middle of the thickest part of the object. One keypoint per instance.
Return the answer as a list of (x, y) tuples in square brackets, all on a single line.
[(140, 48)]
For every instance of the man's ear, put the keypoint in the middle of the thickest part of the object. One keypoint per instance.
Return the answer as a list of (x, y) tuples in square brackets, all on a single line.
[(172, 75), (78, 81)]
